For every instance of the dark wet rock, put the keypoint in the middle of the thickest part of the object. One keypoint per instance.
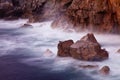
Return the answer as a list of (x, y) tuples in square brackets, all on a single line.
[(64, 48), (27, 26), (105, 70), (4, 8), (87, 49), (36, 10), (21, 8), (88, 66)]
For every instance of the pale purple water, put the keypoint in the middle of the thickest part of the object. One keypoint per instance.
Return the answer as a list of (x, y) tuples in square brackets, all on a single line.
[(23, 54)]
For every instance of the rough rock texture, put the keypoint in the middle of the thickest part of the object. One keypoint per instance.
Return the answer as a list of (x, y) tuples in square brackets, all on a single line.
[(64, 48), (89, 37), (4, 8), (116, 8), (35, 10), (87, 49), (105, 70), (97, 15), (23, 8)]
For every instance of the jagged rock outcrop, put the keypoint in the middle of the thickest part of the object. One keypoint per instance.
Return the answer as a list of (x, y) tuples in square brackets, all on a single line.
[(36, 10), (97, 15), (87, 49), (23, 8)]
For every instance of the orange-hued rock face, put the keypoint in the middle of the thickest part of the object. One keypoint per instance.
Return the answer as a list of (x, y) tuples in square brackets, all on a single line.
[(97, 15), (116, 8), (92, 14)]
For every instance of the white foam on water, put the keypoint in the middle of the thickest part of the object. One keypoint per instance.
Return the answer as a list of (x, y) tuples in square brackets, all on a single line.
[(12, 24), (108, 41), (42, 37)]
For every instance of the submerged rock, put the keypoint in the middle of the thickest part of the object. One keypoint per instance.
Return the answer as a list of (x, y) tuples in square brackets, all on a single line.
[(48, 53), (64, 48), (118, 51), (105, 70), (27, 26), (87, 49), (88, 66)]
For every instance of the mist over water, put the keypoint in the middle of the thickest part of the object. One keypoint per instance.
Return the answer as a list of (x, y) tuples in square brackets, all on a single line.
[(34, 50)]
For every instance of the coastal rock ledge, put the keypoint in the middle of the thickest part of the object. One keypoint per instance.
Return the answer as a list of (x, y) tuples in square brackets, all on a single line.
[(87, 49)]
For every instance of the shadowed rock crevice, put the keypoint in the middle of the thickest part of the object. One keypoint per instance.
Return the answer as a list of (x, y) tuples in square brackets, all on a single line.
[(34, 10)]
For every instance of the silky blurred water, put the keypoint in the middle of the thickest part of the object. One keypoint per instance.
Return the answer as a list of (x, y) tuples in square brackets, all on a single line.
[(30, 54)]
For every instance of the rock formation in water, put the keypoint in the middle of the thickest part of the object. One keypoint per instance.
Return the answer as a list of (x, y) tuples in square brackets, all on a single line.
[(87, 49), (98, 15), (105, 70)]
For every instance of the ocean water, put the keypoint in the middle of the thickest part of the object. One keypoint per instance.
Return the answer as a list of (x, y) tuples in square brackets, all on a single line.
[(31, 54)]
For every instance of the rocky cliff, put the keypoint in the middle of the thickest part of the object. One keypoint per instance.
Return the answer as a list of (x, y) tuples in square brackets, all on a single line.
[(21, 8), (35, 10), (97, 15)]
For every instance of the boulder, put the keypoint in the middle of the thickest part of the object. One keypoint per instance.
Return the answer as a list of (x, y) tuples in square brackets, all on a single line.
[(88, 49), (64, 48), (105, 70)]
